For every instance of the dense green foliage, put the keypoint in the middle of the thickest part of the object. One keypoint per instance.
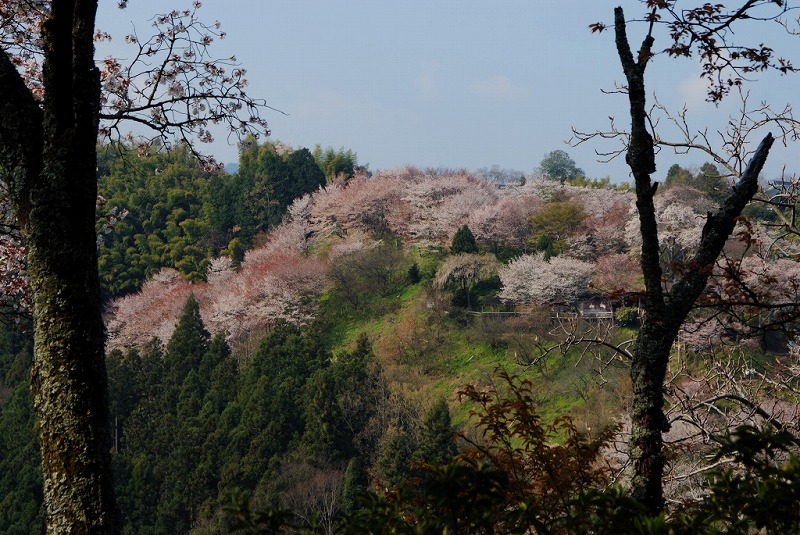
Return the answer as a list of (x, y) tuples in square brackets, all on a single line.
[(707, 179), (180, 216), (436, 445), (336, 163), (463, 241), (306, 429), (192, 424), (529, 476), (557, 165), (272, 177), (21, 510), (166, 226), (551, 225)]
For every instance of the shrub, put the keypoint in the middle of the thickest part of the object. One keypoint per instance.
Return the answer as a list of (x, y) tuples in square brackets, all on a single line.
[(627, 316)]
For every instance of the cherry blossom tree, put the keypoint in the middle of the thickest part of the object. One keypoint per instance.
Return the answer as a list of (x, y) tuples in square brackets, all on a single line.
[(442, 201), (175, 86), (14, 289), (618, 273), (681, 214), (152, 312), (280, 283), (607, 212), (275, 281), (505, 222), (755, 295), (424, 206), (295, 232), (464, 271), (531, 278), (368, 204)]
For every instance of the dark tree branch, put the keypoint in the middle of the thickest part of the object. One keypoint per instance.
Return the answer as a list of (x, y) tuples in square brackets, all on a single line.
[(20, 135)]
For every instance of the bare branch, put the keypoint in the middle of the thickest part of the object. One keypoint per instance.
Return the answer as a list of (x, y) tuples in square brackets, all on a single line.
[(175, 87)]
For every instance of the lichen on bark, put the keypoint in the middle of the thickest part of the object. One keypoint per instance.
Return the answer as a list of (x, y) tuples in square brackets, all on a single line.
[(666, 311)]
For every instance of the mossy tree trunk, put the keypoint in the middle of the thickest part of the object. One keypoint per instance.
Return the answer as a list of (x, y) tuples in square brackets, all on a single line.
[(666, 310), (48, 159)]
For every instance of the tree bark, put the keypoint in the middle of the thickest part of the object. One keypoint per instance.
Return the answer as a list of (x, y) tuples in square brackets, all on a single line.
[(48, 157), (666, 311)]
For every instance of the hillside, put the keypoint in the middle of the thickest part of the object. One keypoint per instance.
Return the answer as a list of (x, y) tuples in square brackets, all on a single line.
[(417, 212), (322, 358)]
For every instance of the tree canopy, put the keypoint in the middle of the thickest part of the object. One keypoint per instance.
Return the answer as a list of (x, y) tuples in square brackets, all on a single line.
[(463, 241), (707, 179), (557, 165)]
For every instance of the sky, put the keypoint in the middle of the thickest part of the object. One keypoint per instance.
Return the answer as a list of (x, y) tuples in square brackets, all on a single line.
[(465, 84)]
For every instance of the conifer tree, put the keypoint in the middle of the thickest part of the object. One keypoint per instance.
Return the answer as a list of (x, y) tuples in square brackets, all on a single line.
[(354, 485), (20, 478), (223, 384), (218, 351), (436, 445), (188, 344), (150, 377), (413, 274), (464, 241), (324, 436), (395, 458)]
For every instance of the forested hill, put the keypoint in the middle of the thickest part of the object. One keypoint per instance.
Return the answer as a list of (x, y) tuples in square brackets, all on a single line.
[(360, 237), (301, 331), (165, 210)]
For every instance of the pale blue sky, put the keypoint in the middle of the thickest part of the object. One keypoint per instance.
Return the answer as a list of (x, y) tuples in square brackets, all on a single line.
[(443, 83)]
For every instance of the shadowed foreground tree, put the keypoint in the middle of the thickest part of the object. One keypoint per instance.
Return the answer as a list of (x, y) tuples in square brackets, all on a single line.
[(52, 98), (705, 30)]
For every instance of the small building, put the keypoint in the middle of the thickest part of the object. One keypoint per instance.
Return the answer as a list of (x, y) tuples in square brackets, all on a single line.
[(596, 307)]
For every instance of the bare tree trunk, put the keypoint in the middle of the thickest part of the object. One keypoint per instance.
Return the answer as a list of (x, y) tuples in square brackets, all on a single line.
[(666, 311), (48, 157)]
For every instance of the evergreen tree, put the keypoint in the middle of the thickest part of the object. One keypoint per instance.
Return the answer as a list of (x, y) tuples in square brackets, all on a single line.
[(306, 176), (436, 445), (124, 389), (413, 274), (164, 473), (150, 376), (188, 344), (217, 352), (223, 385), (677, 175), (394, 461), (325, 436), (335, 163), (545, 244), (235, 251), (557, 165), (273, 402), (709, 180), (464, 241), (21, 510), (354, 486), (168, 214), (273, 177)]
